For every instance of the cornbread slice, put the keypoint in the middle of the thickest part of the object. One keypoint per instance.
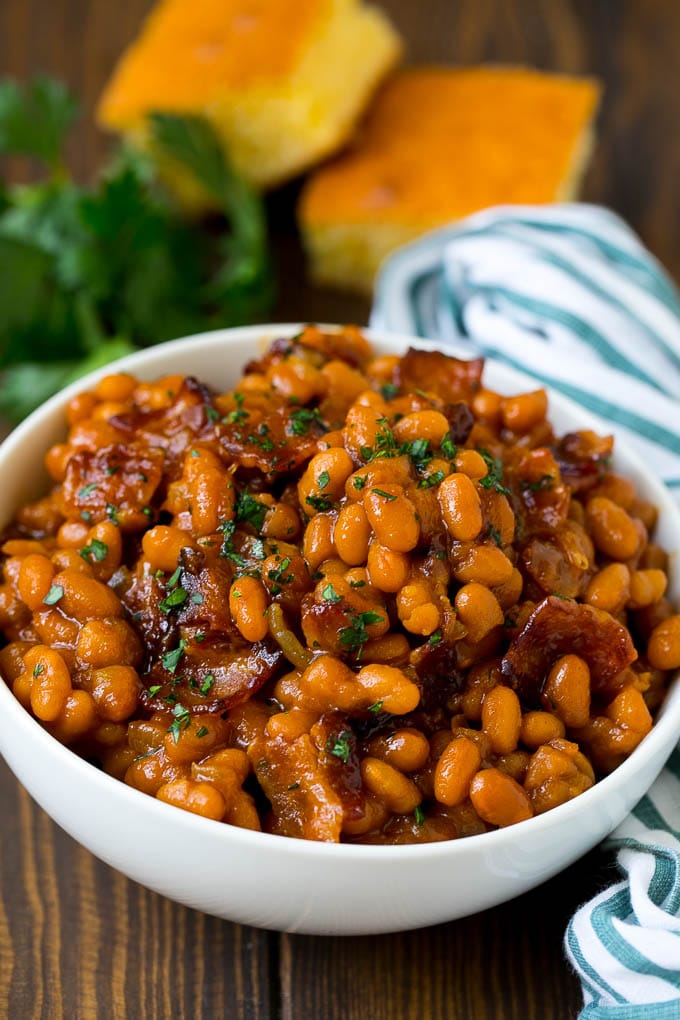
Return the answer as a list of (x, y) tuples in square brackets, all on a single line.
[(438, 144), (282, 83)]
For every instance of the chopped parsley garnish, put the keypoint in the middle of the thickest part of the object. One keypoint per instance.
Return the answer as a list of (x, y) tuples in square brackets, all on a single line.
[(376, 707), (279, 576), (176, 598), (181, 721), (389, 391), (170, 660), (435, 638), (95, 550), (493, 479), (419, 815), (359, 481), (86, 515), (329, 594), (206, 686), (113, 470), (386, 495), (261, 439), (355, 636), (174, 577), (234, 417), (228, 551), (540, 485), (340, 746), (251, 510), (87, 490), (495, 534), (112, 513), (357, 584), (431, 480), (301, 419), (293, 786), (202, 732), (197, 598), (211, 413), (448, 447), (323, 481), (37, 670), (319, 503), (418, 451), (54, 594), (155, 689)]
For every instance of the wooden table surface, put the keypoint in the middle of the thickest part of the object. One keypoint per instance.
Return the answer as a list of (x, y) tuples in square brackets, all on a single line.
[(77, 940)]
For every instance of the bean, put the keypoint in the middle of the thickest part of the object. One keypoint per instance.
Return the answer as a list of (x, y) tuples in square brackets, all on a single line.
[(162, 545), (393, 517), (115, 690), (35, 580), (523, 412), (472, 464), (352, 534), (485, 564), (416, 610), (540, 728), (663, 648), (567, 690), (478, 610), (388, 570), (117, 386), (324, 480), (498, 799), (613, 531), (51, 682), (460, 506), (108, 642), (429, 425), (609, 589), (199, 798), (248, 608), (502, 719), (78, 717), (84, 598), (317, 543), (389, 687), (405, 749), (400, 794), (646, 588), (455, 770)]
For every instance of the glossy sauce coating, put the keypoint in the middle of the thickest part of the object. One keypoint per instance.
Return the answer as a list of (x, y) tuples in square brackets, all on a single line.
[(357, 598)]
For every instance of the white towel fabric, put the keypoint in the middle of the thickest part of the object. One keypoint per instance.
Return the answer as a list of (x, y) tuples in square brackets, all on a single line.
[(568, 294)]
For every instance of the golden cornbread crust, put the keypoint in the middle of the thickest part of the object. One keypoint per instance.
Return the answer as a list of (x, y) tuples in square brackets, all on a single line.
[(437, 145), (270, 75)]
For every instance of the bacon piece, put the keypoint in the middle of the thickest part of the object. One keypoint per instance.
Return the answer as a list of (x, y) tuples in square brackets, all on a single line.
[(117, 482), (452, 379), (559, 627)]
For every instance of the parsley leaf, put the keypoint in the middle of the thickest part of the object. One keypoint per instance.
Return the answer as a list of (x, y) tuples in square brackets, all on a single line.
[(251, 510), (355, 636), (340, 746), (35, 119), (170, 660), (95, 550)]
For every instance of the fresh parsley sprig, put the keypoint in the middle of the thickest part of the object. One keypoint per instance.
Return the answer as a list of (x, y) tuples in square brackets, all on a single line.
[(89, 274)]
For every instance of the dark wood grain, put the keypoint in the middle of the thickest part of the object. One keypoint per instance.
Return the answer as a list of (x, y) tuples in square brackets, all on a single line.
[(79, 941)]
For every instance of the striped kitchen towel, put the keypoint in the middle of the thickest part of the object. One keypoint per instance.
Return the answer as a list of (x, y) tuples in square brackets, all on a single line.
[(568, 294)]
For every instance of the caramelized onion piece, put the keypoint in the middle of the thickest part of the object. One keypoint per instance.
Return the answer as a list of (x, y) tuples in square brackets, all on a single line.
[(558, 627), (285, 638)]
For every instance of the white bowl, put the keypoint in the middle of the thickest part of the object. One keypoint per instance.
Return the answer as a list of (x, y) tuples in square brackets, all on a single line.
[(290, 884)]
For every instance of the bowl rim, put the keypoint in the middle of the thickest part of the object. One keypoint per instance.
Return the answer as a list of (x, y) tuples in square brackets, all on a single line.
[(666, 723)]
